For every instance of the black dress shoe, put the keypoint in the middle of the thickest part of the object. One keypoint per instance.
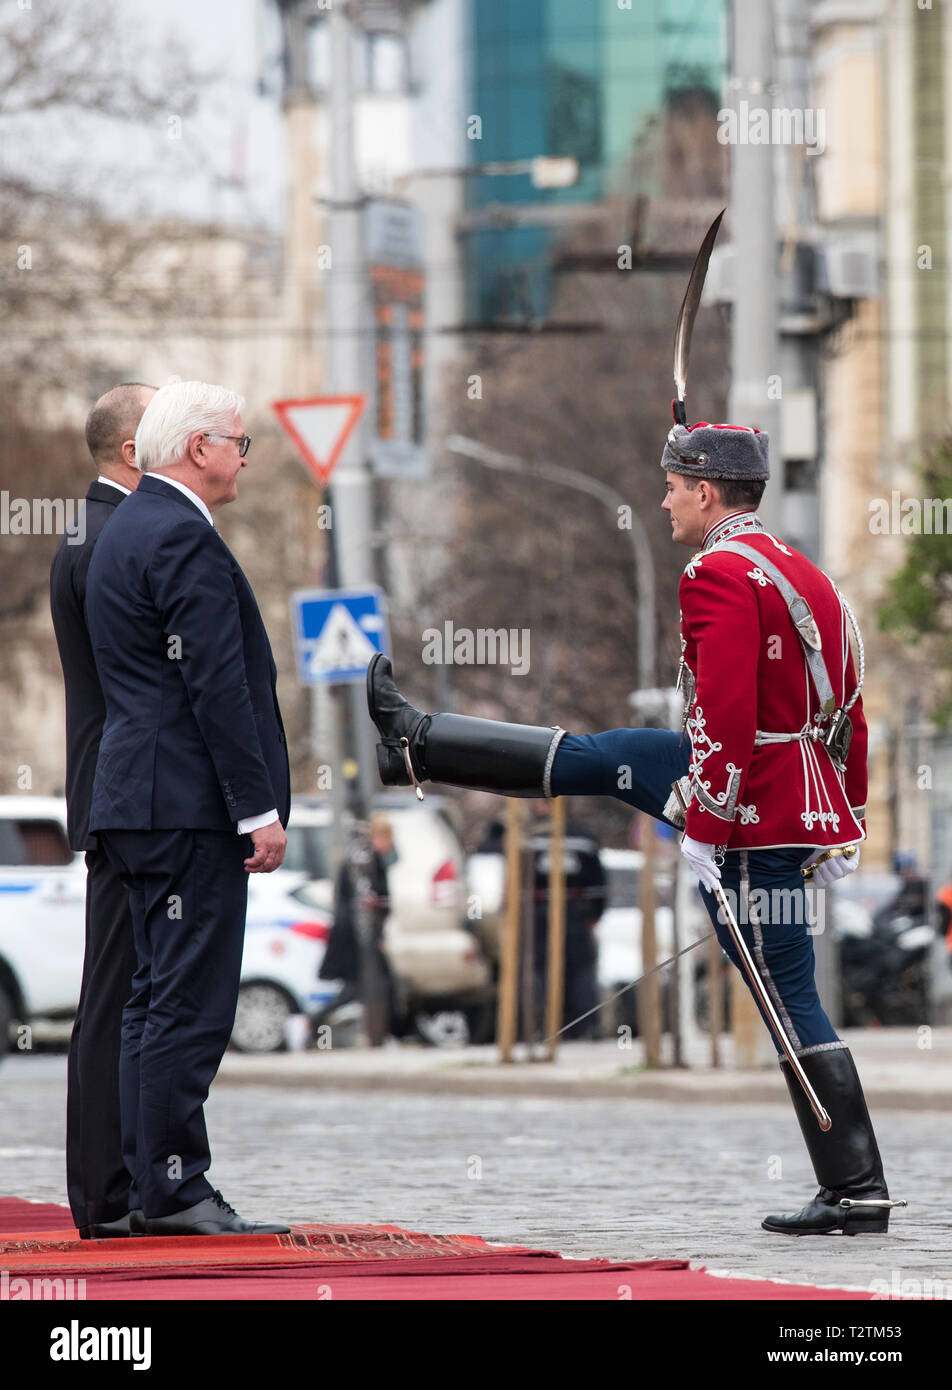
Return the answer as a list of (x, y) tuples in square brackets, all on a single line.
[(211, 1217), (108, 1230)]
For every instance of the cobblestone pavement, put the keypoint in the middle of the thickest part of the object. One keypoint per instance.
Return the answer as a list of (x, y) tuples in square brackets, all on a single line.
[(610, 1177)]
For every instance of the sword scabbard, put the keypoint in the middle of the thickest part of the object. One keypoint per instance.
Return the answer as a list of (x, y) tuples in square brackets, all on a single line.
[(766, 1003)]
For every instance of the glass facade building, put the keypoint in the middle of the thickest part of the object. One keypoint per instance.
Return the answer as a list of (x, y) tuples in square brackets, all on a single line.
[(569, 77)]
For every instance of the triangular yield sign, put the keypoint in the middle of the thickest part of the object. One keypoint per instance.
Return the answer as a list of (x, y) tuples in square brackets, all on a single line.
[(320, 426)]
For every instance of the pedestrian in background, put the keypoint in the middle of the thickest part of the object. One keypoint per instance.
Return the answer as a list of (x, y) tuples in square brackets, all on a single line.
[(943, 902), (355, 952)]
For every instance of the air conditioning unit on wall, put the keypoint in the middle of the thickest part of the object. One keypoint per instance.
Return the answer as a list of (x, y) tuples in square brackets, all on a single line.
[(845, 267), (848, 268)]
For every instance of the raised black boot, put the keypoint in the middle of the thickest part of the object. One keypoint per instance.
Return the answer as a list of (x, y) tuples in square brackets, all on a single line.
[(853, 1197), (482, 754)]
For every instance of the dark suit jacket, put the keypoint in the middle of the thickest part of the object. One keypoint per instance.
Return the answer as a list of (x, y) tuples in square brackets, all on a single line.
[(85, 706), (193, 738)]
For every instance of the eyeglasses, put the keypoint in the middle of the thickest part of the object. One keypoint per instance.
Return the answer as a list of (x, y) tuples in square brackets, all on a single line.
[(243, 441)]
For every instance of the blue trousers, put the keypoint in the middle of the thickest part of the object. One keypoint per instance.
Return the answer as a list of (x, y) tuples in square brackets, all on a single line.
[(765, 887)]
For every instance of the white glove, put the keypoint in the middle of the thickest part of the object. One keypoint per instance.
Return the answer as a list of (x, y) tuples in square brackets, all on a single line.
[(831, 869), (701, 858)]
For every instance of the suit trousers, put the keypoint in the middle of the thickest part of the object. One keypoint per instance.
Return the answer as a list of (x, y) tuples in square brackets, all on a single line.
[(188, 891), (97, 1179), (765, 888)]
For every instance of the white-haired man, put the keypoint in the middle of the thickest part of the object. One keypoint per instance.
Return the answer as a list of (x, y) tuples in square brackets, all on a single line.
[(193, 760)]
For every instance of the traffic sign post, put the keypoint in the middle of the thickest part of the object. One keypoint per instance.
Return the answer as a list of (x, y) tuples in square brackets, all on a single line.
[(334, 643)]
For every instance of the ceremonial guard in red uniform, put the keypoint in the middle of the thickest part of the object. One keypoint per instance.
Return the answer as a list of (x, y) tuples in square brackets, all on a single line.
[(752, 711), (767, 778)]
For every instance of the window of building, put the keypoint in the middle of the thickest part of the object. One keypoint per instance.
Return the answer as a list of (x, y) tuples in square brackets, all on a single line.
[(318, 60), (386, 64)]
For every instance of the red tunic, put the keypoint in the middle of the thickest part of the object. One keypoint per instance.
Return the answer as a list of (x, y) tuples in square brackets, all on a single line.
[(750, 675)]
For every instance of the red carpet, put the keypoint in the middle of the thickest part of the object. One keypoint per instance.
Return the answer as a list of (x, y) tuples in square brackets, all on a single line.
[(319, 1262)]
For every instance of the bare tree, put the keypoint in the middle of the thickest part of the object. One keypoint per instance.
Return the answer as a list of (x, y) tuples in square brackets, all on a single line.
[(88, 266), (89, 111)]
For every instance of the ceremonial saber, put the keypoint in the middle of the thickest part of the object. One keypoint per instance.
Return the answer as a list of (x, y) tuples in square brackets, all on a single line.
[(766, 1003)]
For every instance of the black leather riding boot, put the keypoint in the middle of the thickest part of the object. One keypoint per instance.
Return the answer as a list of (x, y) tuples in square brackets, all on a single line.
[(482, 754), (853, 1197)]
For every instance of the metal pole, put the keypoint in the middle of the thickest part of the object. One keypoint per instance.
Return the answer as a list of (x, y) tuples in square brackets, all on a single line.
[(640, 545), (799, 349), (677, 1002), (509, 954), (754, 340), (715, 998), (373, 983), (529, 1000), (690, 1032), (555, 953), (326, 735), (649, 992), (800, 352), (346, 315)]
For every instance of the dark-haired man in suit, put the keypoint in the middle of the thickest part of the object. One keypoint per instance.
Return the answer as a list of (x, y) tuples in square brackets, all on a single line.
[(96, 1177)]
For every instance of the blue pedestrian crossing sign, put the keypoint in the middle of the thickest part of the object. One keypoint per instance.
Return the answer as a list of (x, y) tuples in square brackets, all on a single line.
[(336, 632)]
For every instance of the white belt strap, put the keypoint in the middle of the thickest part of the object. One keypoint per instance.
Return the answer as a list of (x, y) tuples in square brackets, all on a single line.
[(802, 618)]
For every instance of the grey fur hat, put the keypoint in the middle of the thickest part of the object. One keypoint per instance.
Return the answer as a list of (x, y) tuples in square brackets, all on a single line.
[(716, 451)]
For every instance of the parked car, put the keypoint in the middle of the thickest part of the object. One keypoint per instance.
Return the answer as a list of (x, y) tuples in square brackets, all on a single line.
[(285, 940), (443, 977), (42, 910), (42, 932)]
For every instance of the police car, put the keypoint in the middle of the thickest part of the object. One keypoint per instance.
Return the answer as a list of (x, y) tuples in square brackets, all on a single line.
[(42, 906), (42, 935)]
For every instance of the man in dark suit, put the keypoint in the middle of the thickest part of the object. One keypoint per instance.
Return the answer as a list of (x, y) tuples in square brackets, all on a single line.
[(193, 760), (96, 1177)]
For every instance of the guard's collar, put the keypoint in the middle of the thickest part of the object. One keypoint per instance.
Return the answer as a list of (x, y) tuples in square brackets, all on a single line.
[(735, 523)]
